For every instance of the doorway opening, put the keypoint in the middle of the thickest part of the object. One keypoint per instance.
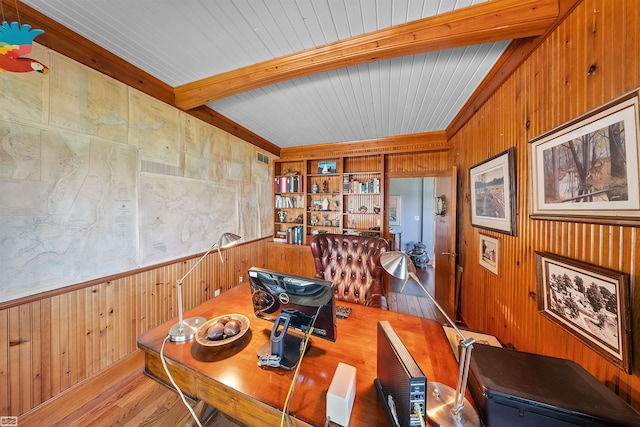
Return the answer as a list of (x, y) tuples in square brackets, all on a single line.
[(412, 228)]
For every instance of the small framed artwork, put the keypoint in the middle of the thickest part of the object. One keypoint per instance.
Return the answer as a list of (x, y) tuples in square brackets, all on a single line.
[(489, 253), (492, 184), (327, 167), (588, 301), (587, 169), (394, 210)]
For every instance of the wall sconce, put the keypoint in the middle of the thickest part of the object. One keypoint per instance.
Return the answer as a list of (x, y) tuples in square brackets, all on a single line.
[(441, 205)]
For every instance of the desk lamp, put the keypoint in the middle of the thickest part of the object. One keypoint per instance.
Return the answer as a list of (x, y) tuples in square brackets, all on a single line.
[(185, 329), (445, 406)]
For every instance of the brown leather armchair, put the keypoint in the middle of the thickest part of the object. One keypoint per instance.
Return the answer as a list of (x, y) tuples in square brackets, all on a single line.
[(352, 264)]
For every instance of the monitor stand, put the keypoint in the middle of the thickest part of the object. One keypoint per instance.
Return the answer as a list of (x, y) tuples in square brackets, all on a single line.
[(284, 349)]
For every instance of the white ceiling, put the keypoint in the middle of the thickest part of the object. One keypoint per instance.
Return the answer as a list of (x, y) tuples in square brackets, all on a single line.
[(180, 42)]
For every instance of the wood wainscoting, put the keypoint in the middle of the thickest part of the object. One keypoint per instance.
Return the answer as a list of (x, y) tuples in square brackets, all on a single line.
[(52, 341)]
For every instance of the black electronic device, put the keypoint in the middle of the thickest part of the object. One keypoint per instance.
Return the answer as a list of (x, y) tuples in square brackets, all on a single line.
[(401, 385), (514, 388), (292, 303)]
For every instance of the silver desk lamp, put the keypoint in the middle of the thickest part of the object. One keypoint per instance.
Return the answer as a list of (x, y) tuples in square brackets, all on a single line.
[(185, 329), (445, 406)]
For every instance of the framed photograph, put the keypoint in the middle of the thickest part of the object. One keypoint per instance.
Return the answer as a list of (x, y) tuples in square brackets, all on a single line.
[(394, 210), (327, 167), (489, 253), (492, 184), (587, 169), (588, 301)]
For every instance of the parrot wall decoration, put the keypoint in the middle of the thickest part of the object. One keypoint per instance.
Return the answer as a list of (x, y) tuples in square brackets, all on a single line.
[(16, 40)]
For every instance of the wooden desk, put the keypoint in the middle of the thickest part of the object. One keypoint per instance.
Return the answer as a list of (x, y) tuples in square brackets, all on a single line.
[(230, 379)]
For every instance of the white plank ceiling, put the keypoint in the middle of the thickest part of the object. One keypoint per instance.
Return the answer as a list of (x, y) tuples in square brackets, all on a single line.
[(183, 41)]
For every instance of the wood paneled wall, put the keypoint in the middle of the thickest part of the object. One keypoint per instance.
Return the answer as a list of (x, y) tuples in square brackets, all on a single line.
[(53, 342), (590, 58), (427, 162)]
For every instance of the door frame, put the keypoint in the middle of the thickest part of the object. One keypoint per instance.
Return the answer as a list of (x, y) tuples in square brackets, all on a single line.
[(451, 311)]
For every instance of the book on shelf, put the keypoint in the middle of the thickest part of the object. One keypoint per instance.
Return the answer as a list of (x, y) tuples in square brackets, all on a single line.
[(288, 201), (288, 184), (355, 186), (294, 235)]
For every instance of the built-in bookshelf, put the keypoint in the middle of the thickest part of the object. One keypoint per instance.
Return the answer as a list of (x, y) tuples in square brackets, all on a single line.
[(328, 195), (324, 201), (363, 196), (289, 204)]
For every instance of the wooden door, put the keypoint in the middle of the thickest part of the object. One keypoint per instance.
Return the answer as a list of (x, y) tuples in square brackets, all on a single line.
[(445, 244)]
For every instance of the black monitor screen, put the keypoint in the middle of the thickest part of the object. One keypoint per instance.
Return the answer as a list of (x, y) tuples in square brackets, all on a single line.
[(273, 292)]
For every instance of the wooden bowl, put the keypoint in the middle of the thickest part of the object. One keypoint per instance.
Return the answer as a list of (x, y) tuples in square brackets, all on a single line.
[(201, 333)]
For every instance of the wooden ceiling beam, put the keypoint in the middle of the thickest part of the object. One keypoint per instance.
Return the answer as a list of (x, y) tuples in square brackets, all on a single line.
[(487, 22)]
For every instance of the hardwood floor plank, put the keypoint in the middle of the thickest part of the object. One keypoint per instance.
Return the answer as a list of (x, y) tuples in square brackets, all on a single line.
[(80, 394), (110, 403)]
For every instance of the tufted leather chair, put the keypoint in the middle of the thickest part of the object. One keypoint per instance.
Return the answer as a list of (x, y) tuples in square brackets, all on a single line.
[(352, 264)]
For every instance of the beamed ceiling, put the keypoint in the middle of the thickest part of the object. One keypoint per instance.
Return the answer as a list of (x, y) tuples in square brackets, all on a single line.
[(293, 73)]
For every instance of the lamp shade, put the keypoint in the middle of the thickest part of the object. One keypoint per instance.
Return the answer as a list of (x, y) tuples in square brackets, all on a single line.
[(398, 264), (228, 239)]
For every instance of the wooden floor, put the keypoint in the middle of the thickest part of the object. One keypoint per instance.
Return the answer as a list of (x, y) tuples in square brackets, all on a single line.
[(413, 300), (132, 399)]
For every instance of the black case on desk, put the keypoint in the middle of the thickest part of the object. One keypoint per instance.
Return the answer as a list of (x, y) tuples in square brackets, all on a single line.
[(513, 388)]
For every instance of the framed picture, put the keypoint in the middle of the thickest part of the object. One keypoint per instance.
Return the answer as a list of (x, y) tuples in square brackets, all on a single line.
[(588, 301), (587, 169), (327, 167), (489, 251), (394, 210), (492, 184)]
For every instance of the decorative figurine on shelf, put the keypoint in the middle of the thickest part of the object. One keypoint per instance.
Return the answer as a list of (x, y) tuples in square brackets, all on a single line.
[(314, 188), (314, 220), (326, 221), (299, 219), (363, 209), (376, 209), (325, 186), (282, 216), (336, 205), (325, 204), (336, 223)]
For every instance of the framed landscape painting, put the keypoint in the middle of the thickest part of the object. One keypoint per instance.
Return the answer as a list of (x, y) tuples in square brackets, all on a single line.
[(492, 184), (589, 302), (587, 169)]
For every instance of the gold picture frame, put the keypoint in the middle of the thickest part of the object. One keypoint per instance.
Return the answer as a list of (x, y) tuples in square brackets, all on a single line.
[(586, 170)]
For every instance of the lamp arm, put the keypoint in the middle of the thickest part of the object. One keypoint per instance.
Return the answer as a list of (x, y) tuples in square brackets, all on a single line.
[(214, 246), (463, 374), (465, 356), (179, 283), (433, 300)]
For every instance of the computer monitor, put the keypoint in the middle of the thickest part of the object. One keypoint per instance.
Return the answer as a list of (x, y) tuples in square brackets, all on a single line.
[(291, 302)]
